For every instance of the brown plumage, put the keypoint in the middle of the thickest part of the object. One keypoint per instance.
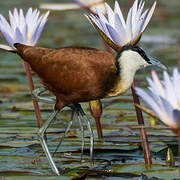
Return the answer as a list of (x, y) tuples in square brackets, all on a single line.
[(73, 74)]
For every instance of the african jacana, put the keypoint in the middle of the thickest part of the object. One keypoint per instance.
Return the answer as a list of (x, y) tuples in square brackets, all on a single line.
[(68, 73)]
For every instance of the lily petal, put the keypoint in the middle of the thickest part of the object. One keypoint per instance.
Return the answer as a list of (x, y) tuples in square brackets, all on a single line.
[(103, 35), (117, 10), (5, 25), (139, 26), (114, 35), (158, 83), (39, 31), (6, 48), (120, 28), (134, 13), (12, 21), (101, 16), (129, 25), (110, 14), (19, 36), (21, 20), (8, 38), (149, 16)]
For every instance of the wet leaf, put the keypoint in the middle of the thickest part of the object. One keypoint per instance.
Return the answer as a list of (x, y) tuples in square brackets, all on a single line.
[(18, 143), (28, 106), (11, 88), (164, 174)]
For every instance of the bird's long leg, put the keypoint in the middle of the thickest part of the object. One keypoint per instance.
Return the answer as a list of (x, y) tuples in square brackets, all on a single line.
[(82, 133), (36, 93), (75, 107), (43, 142), (83, 116), (65, 133)]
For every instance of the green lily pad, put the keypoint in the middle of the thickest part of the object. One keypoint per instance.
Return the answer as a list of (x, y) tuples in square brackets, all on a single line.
[(18, 143)]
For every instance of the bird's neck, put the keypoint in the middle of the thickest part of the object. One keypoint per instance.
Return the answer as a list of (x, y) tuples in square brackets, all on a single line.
[(127, 74), (126, 69)]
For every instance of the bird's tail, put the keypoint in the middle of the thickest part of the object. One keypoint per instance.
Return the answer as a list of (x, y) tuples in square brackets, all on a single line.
[(19, 47), (20, 50), (30, 54)]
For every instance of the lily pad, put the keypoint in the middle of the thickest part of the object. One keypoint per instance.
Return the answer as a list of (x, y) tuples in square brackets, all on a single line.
[(18, 143)]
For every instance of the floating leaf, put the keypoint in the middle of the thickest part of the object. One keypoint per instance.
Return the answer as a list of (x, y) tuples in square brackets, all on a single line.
[(16, 143)]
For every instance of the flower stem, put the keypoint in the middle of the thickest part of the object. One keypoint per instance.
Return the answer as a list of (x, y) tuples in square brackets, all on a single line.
[(131, 2), (31, 88), (179, 54), (144, 139), (179, 149)]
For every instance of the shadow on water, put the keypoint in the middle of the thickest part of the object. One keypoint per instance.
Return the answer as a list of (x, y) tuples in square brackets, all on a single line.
[(119, 154)]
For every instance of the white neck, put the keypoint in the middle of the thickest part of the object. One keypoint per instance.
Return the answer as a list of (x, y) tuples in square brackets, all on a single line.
[(129, 62), (128, 67)]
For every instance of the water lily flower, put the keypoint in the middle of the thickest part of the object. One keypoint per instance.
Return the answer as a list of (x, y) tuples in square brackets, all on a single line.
[(92, 5), (22, 29), (26, 30), (163, 97), (115, 30)]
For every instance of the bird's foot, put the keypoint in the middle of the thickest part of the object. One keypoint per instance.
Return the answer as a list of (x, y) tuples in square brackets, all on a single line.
[(37, 94), (65, 133), (82, 117), (74, 109)]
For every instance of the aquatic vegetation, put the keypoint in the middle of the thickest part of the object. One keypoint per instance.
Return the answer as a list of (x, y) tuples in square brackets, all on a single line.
[(163, 97), (115, 30), (23, 29)]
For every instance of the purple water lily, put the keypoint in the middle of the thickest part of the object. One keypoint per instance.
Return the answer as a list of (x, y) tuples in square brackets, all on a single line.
[(118, 32), (163, 97), (22, 29)]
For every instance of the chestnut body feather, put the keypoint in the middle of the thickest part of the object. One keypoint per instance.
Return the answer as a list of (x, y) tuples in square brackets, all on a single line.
[(72, 74)]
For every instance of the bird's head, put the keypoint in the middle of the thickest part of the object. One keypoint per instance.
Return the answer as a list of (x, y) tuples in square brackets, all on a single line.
[(136, 58)]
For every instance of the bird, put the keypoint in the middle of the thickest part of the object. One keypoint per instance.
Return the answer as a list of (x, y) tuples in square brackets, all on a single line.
[(82, 74)]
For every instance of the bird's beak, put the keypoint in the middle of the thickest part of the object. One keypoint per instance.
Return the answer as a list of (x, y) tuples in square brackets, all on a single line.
[(157, 63)]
